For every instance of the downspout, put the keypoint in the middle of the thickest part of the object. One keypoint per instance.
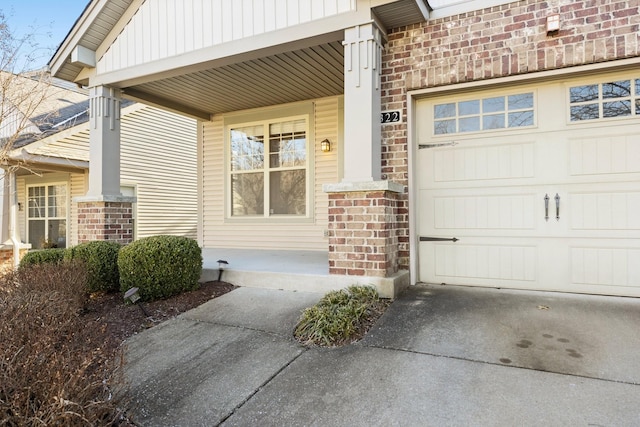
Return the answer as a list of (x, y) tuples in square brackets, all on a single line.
[(13, 215)]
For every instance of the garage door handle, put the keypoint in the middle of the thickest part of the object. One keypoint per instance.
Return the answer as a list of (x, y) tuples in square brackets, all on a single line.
[(438, 239), (546, 207)]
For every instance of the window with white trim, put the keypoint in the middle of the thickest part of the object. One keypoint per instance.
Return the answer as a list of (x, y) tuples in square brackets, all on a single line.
[(47, 216), (484, 114), (620, 98), (268, 168)]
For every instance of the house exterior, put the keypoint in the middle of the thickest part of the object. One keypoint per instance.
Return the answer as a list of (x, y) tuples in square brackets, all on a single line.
[(472, 142), (50, 162)]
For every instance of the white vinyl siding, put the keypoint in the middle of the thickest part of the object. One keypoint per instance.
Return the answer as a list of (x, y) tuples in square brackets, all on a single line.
[(159, 156), (78, 189), (286, 234), (163, 28)]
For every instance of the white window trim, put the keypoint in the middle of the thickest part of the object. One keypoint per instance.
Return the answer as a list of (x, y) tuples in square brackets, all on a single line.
[(265, 116), (45, 184), (134, 207)]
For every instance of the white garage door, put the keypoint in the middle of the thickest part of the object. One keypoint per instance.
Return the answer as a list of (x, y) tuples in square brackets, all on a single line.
[(532, 187)]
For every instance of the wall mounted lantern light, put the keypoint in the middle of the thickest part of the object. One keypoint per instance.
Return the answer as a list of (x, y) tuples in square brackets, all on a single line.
[(325, 145)]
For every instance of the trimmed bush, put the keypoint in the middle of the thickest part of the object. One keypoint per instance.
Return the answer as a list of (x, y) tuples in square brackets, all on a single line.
[(42, 256), (340, 317), (101, 260), (160, 266)]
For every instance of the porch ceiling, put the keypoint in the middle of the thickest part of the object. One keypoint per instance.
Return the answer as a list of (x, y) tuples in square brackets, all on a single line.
[(313, 72)]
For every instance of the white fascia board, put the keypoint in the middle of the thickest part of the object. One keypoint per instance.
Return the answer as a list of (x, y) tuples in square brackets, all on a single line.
[(54, 163)]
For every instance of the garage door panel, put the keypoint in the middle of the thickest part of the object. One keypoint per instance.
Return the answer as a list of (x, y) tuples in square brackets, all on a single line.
[(605, 210), (605, 154), (511, 211), (481, 262), (605, 267), (505, 161)]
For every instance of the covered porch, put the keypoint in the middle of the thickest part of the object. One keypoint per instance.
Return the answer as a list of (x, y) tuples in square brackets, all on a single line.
[(285, 270), (290, 141)]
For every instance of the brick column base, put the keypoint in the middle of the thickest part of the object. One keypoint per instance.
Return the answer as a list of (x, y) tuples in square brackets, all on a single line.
[(105, 220), (362, 227)]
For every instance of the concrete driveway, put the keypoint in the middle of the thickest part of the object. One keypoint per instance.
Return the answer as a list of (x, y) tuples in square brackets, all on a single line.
[(441, 355)]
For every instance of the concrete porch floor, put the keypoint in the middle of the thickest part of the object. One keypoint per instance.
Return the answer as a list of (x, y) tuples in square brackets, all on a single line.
[(306, 271)]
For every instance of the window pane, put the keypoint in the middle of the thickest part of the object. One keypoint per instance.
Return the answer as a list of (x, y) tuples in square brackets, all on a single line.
[(495, 121), (36, 202), (616, 89), (287, 192), (57, 201), (247, 148), (493, 105), (247, 194), (36, 233), (521, 101), (616, 108), (638, 87), (638, 106), (444, 110), (583, 93), (467, 108), (288, 144), (442, 127), (58, 233), (521, 118), (585, 112), (470, 124)]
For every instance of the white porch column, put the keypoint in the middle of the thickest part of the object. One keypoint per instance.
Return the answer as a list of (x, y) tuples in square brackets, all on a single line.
[(362, 68), (104, 213), (104, 140)]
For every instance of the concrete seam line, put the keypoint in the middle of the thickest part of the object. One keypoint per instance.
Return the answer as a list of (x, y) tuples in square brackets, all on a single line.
[(261, 386), (404, 350)]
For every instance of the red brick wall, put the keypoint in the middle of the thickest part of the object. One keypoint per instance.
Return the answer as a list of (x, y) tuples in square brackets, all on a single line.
[(362, 239), (495, 42), (105, 221), (6, 258)]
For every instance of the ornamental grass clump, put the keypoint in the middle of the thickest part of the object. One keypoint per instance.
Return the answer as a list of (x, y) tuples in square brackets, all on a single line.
[(340, 317)]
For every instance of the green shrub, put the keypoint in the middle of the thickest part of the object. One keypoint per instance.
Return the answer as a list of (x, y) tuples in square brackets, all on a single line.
[(42, 256), (101, 260), (340, 317), (160, 266)]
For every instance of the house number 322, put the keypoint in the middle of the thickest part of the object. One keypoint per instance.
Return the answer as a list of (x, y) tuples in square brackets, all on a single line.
[(391, 116)]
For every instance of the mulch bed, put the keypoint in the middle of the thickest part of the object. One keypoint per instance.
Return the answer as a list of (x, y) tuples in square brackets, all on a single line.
[(124, 320)]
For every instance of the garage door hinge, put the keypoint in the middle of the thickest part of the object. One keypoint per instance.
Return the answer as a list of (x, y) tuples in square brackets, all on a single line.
[(445, 144), (438, 239)]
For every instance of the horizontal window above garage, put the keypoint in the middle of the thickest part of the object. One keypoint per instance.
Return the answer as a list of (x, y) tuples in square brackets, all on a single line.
[(619, 98)]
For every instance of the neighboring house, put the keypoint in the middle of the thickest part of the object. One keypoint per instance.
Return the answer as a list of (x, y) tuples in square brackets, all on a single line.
[(51, 163), (509, 153)]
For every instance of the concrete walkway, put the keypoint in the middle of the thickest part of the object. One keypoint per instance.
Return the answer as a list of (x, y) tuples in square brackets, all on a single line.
[(441, 355)]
